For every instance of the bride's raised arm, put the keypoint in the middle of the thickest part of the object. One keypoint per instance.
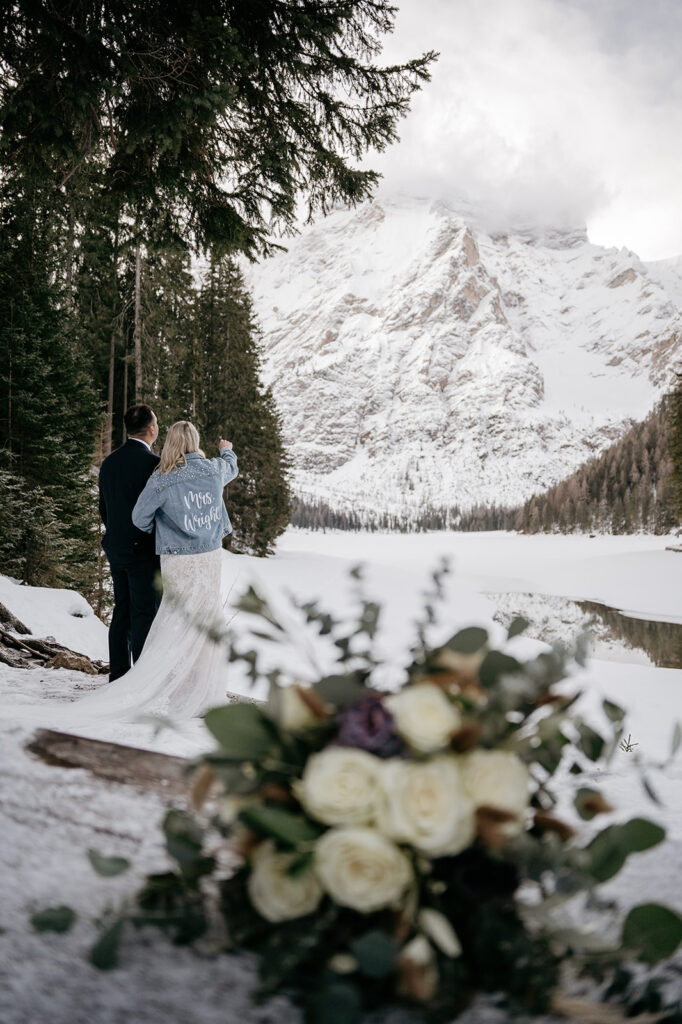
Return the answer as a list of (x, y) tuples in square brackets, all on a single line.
[(146, 506)]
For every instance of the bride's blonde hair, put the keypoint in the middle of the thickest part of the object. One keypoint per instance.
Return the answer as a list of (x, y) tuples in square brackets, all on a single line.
[(182, 437)]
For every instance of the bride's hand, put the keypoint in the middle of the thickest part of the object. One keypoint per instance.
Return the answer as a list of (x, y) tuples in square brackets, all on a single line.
[(222, 443)]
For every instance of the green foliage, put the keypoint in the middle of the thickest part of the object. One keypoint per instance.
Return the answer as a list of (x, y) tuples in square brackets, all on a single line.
[(589, 803), (105, 953), (48, 417), (242, 731), (53, 919), (138, 135), (337, 1002), (171, 901), (488, 918), (608, 851), (184, 839), (653, 931), (289, 829), (674, 424), (215, 118), (468, 641), (108, 867), (230, 401), (376, 953)]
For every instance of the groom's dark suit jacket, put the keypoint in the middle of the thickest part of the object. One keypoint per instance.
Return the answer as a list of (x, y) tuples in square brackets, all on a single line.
[(121, 479)]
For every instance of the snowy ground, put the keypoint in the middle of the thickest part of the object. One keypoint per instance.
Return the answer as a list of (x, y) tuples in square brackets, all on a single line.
[(49, 817)]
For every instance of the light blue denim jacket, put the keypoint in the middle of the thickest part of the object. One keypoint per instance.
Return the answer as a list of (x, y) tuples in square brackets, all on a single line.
[(188, 505)]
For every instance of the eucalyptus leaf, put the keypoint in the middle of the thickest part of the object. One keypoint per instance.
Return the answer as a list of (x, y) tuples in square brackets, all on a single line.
[(342, 690), (300, 864), (610, 848), (104, 954), (184, 841), (234, 778), (496, 664), (53, 919), (518, 625), (614, 712), (369, 620), (338, 1002), (589, 803), (108, 867), (582, 648), (653, 931), (252, 603), (469, 640), (242, 730), (677, 739), (651, 792), (375, 952), (590, 742), (281, 824)]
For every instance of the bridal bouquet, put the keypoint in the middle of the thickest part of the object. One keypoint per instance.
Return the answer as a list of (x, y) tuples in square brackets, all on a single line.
[(404, 846), (375, 848)]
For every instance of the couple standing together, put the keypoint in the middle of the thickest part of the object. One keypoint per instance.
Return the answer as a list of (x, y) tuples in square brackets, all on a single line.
[(164, 513)]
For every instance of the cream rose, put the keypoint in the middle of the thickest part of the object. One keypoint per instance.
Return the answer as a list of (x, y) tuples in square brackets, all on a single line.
[(424, 716), (498, 779), (361, 869), (293, 713), (339, 786), (425, 804), (277, 895)]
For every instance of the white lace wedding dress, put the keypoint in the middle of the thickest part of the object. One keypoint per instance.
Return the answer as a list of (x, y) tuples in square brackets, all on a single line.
[(182, 671)]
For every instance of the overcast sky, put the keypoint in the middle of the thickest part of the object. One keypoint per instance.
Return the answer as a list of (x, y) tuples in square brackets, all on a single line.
[(552, 111)]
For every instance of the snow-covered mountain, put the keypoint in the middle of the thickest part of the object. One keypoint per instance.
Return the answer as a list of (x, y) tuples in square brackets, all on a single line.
[(418, 358)]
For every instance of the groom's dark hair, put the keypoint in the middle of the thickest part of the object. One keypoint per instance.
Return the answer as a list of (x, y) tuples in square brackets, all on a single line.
[(137, 418)]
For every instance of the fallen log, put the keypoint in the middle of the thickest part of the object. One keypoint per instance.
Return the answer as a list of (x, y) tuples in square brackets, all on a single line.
[(27, 651), (113, 761), (11, 620)]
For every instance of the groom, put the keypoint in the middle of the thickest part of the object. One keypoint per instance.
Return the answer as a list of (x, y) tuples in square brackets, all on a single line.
[(131, 552)]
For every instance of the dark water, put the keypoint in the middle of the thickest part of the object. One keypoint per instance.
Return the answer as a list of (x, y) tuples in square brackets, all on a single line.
[(662, 641)]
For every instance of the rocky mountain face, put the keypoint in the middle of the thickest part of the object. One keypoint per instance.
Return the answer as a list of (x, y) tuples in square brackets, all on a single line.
[(421, 360)]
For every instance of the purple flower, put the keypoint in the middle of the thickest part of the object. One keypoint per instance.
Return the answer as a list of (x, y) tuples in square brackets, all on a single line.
[(368, 725)]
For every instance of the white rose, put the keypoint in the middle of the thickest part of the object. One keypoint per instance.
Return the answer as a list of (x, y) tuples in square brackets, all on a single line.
[(361, 869), (425, 804), (339, 786), (292, 711), (277, 895), (498, 779), (424, 716)]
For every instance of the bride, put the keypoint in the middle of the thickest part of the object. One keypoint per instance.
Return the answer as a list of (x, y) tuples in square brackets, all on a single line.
[(182, 669)]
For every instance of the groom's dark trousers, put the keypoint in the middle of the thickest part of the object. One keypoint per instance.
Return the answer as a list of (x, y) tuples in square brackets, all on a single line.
[(131, 554)]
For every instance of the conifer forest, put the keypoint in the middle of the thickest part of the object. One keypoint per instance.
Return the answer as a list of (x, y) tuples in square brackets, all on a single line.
[(145, 149)]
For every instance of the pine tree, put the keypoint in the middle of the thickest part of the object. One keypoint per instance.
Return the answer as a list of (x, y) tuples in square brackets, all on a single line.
[(231, 402), (208, 119), (48, 413), (674, 413)]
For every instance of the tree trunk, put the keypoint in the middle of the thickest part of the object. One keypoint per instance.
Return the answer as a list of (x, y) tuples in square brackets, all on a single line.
[(125, 392), (109, 437), (70, 256), (137, 330)]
